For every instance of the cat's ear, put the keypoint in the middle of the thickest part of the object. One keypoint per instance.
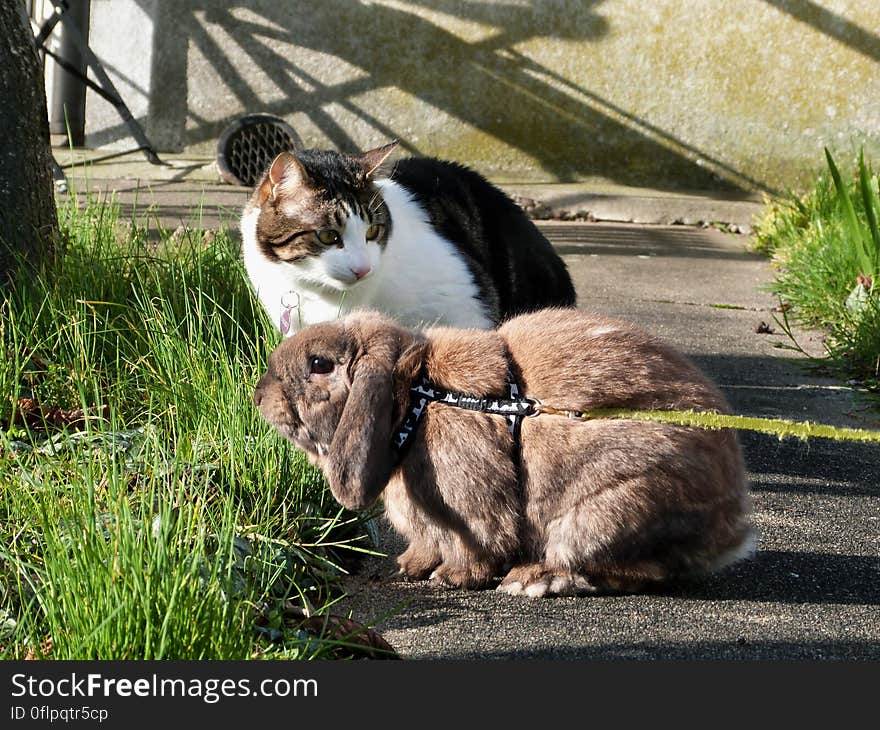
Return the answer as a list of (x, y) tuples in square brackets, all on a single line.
[(286, 173), (371, 160)]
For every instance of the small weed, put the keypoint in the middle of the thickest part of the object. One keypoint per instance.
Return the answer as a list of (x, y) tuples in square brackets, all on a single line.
[(826, 247)]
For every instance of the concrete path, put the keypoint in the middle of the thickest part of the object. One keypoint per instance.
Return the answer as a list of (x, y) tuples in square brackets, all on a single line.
[(813, 590)]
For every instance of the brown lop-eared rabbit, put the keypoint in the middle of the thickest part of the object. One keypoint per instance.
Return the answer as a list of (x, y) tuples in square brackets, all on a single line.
[(575, 507)]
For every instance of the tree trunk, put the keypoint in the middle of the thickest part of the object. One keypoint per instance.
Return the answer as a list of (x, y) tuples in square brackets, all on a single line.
[(28, 222)]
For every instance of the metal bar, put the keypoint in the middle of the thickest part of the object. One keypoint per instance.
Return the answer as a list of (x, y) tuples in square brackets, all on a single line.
[(112, 98), (67, 108), (49, 24), (70, 68), (94, 63)]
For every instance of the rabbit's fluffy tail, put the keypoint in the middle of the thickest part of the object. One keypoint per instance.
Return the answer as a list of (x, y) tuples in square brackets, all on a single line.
[(746, 549)]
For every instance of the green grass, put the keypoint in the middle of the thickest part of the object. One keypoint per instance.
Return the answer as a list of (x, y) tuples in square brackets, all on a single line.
[(826, 247), (181, 525)]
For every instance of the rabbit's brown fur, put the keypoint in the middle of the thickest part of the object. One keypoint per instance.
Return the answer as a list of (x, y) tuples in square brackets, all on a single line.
[(596, 505)]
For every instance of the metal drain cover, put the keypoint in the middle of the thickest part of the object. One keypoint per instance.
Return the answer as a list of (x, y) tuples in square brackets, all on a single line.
[(248, 145)]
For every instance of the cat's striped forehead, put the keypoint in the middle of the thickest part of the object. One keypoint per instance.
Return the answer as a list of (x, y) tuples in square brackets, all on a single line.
[(318, 207)]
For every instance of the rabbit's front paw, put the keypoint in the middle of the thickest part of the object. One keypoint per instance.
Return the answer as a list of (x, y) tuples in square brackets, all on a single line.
[(417, 562), (471, 577)]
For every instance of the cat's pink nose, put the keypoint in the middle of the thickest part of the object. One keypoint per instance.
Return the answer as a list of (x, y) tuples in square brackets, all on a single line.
[(361, 271)]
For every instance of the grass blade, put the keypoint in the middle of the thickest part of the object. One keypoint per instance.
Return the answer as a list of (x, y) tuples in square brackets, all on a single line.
[(870, 202), (851, 221)]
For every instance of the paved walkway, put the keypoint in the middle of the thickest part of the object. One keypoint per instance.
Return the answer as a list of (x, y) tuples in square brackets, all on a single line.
[(813, 590)]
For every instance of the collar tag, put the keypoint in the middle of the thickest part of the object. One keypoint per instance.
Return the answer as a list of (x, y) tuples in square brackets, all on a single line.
[(289, 302)]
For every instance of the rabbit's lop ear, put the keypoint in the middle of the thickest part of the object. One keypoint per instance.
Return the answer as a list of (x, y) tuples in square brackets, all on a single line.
[(360, 460)]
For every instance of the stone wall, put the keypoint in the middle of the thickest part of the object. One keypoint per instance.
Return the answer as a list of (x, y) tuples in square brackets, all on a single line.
[(675, 94)]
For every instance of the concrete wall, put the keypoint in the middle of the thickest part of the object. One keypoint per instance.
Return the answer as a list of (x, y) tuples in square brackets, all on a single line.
[(699, 94)]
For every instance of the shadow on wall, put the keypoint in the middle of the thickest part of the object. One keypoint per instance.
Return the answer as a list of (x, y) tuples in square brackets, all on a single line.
[(487, 84), (832, 25)]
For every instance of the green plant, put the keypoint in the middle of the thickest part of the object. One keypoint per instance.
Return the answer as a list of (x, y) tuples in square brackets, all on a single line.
[(169, 519), (826, 247)]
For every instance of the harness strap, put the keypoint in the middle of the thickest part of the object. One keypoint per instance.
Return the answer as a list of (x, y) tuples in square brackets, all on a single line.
[(514, 407)]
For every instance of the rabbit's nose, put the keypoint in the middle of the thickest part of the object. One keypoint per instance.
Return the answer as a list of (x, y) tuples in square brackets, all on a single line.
[(260, 390)]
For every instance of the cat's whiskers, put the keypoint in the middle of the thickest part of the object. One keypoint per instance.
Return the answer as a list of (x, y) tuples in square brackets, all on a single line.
[(390, 175), (376, 197)]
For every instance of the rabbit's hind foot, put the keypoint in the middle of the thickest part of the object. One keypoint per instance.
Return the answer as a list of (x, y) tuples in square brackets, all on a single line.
[(536, 580)]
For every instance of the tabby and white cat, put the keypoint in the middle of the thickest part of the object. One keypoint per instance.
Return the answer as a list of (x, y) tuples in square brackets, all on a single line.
[(430, 243)]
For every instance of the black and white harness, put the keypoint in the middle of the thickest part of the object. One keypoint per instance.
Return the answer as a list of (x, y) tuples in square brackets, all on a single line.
[(514, 408)]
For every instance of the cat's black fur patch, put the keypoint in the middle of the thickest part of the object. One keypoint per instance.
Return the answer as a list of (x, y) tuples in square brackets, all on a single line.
[(513, 264)]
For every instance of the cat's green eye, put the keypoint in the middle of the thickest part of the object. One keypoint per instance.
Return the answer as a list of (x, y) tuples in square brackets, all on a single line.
[(374, 231), (327, 236)]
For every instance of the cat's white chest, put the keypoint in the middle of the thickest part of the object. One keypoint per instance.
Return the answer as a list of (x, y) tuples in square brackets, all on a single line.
[(421, 279)]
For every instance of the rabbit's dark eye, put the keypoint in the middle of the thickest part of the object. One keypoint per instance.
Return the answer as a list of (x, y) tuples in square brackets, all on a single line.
[(320, 365)]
